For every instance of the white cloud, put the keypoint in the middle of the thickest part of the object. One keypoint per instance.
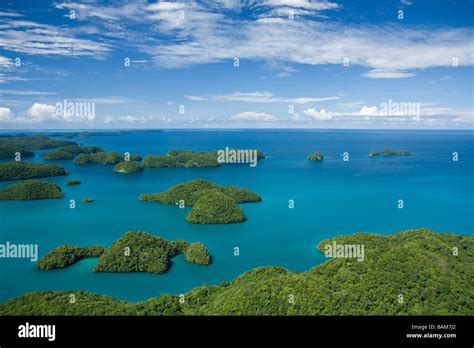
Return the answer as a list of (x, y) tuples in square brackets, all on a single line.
[(258, 97), (305, 4), (5, 114), (320, 115), (254, 116), (387, 74), (41, 112), (124, 119)]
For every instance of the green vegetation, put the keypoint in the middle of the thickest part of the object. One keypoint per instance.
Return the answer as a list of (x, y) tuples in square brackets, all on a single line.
[(57, 155), (39, 142), (23, 170), (69, 151), (419, 264), (128, 167), (67, 255), (87, 200), (138, 251), (197, 253), (212, 203), (388, 152), (31, 190), (191, 190), (215, 207), (10, 152), (316, 156), (186, 158), (106, 158), (73, 182)]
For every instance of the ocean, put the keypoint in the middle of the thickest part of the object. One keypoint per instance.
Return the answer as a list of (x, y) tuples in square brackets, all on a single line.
[(332, 197)]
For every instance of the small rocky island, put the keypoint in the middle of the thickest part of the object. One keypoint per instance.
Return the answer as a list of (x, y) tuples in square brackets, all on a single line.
[(128, 167), (135, 251), (31, 190), (87, 200), (67, 255), (73, 182), (316, 156), (212, 203), (10, 171), (389, 152)]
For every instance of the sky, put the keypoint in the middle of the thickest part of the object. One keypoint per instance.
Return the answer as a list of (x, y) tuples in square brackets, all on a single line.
[(237, 64)]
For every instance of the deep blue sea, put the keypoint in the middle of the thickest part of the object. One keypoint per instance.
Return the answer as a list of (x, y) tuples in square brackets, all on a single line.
[(331, 198)]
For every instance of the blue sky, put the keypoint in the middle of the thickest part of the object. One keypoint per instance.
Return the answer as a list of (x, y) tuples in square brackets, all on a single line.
[(301, 64)]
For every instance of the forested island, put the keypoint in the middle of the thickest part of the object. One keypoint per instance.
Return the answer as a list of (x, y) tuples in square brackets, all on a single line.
[(31, 190), (23, 170), (105, 158), (316, 156), (128, 167), (187, 158), (73, 182), (87, 200), (139, 251), (67, 255), (212, 203), (417, 264), (69, 151), (10, 145), (389, 152)]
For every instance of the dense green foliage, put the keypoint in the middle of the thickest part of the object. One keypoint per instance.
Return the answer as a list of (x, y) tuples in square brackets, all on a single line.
[(138, 251), (87, 200), (67, 255), (213, 204), (215, 207), (9, 151), (197, 253), (191, 190), (418, 264), (23, 170), (106, 158), (57, 155), (186, 158), (316, 156), (182, 158), (69, 151), (388, 152), (128, 167), (31, 190), (39, 142), (73, 182)]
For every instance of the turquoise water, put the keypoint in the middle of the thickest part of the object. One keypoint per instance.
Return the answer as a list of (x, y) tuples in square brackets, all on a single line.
[(331, 198)]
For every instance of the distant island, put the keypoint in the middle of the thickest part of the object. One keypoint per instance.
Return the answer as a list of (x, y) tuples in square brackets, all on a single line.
[(212, 203), (67, 255), (69, 151), (23, 170), (128, 167), (87, 200), (187, 158), (316, 156), (105, 158), (426, 273), (389, 152), (31, 190), (73, 182), (10, 145)]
